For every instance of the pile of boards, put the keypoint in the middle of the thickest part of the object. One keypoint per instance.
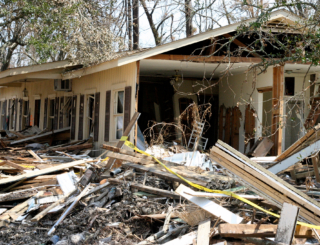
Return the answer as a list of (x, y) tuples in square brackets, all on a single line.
[(124, 197)]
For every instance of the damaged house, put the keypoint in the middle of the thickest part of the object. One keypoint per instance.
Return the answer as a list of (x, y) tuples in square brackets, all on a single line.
[(96, 184), (160, 83)]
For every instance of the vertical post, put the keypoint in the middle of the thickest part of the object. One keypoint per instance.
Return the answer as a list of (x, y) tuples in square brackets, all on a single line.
[(287, 223), (277, 109), (137, 101), (315, 161)]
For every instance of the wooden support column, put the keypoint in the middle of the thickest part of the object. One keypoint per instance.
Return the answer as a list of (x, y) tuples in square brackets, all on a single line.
[(277, 109), (315, 161), (137, 102)]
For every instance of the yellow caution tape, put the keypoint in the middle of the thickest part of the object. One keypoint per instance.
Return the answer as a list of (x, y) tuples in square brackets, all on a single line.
[(231, 194), (123, 138)]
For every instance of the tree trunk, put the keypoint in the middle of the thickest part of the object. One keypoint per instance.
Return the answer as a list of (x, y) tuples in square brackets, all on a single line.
[(135, 24), (188, 13), (152, 26), (129, 24)]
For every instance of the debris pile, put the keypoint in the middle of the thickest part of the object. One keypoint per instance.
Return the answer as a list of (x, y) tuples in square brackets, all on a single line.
[(61, 195)]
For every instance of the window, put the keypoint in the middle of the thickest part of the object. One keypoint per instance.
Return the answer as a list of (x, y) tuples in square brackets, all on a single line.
[(13, 114), (289, 86), (118, 113), (3, 115), (66, 109), (25, 113), (90, 115), (37, 113), (51, 114)]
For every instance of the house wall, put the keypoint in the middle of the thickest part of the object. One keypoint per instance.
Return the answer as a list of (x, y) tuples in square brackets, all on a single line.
[(113, 79), (237, 89)]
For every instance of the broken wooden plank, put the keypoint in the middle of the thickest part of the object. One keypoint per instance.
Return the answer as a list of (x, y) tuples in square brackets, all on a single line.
[(85, 190), (13, 165), (100, 187), (128, 158), (203, 237), (161, 174), (270, 186), (259, 230), (186, 239), (35, 155), (126, 152), (255, 184), (18, 195), (126, 132), (68, 148), (315, 161), (149, 189), (209, 206), (287, 223), (41, 172), (53, 205), (217, 195), (39, 136), (309, 150), (298, 144)]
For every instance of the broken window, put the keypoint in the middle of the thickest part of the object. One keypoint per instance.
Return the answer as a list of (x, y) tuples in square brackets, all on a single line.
[(90, 115), (118, 113), (289, 86), (66, 107), (51, 114), (25, 113), (12, 114)]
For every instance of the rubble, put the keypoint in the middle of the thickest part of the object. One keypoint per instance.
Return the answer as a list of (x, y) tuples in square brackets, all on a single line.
[(61, 195)]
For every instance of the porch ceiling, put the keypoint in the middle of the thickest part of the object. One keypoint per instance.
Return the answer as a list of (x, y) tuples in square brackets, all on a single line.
[(300, 68), (167, 68)]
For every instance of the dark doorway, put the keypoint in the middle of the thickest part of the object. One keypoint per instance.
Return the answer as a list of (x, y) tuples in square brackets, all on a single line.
[(37, 105), (212, 132)]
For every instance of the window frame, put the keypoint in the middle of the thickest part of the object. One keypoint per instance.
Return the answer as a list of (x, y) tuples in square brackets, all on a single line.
[(116, 115)]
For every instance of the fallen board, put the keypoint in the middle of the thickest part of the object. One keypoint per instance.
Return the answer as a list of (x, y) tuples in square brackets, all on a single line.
[(41, 172), (256, 230), (39, 136), (148, 189), (209, 206), (309, 137), (126, 132), (265, 183)]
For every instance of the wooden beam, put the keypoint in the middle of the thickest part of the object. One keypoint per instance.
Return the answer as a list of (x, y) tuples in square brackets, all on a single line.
[(265, 89), (287, 223), (123, 157), (126, 152), (210, 59), (41, 172), (259, 230), (265, 183), (295, 158), (161, 174), (137, 100), (126, 132), (240, 44), (53, 205), (68, 148), (203, 237), (277, 109), (39, 136), (315, 161), (148, 189)]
